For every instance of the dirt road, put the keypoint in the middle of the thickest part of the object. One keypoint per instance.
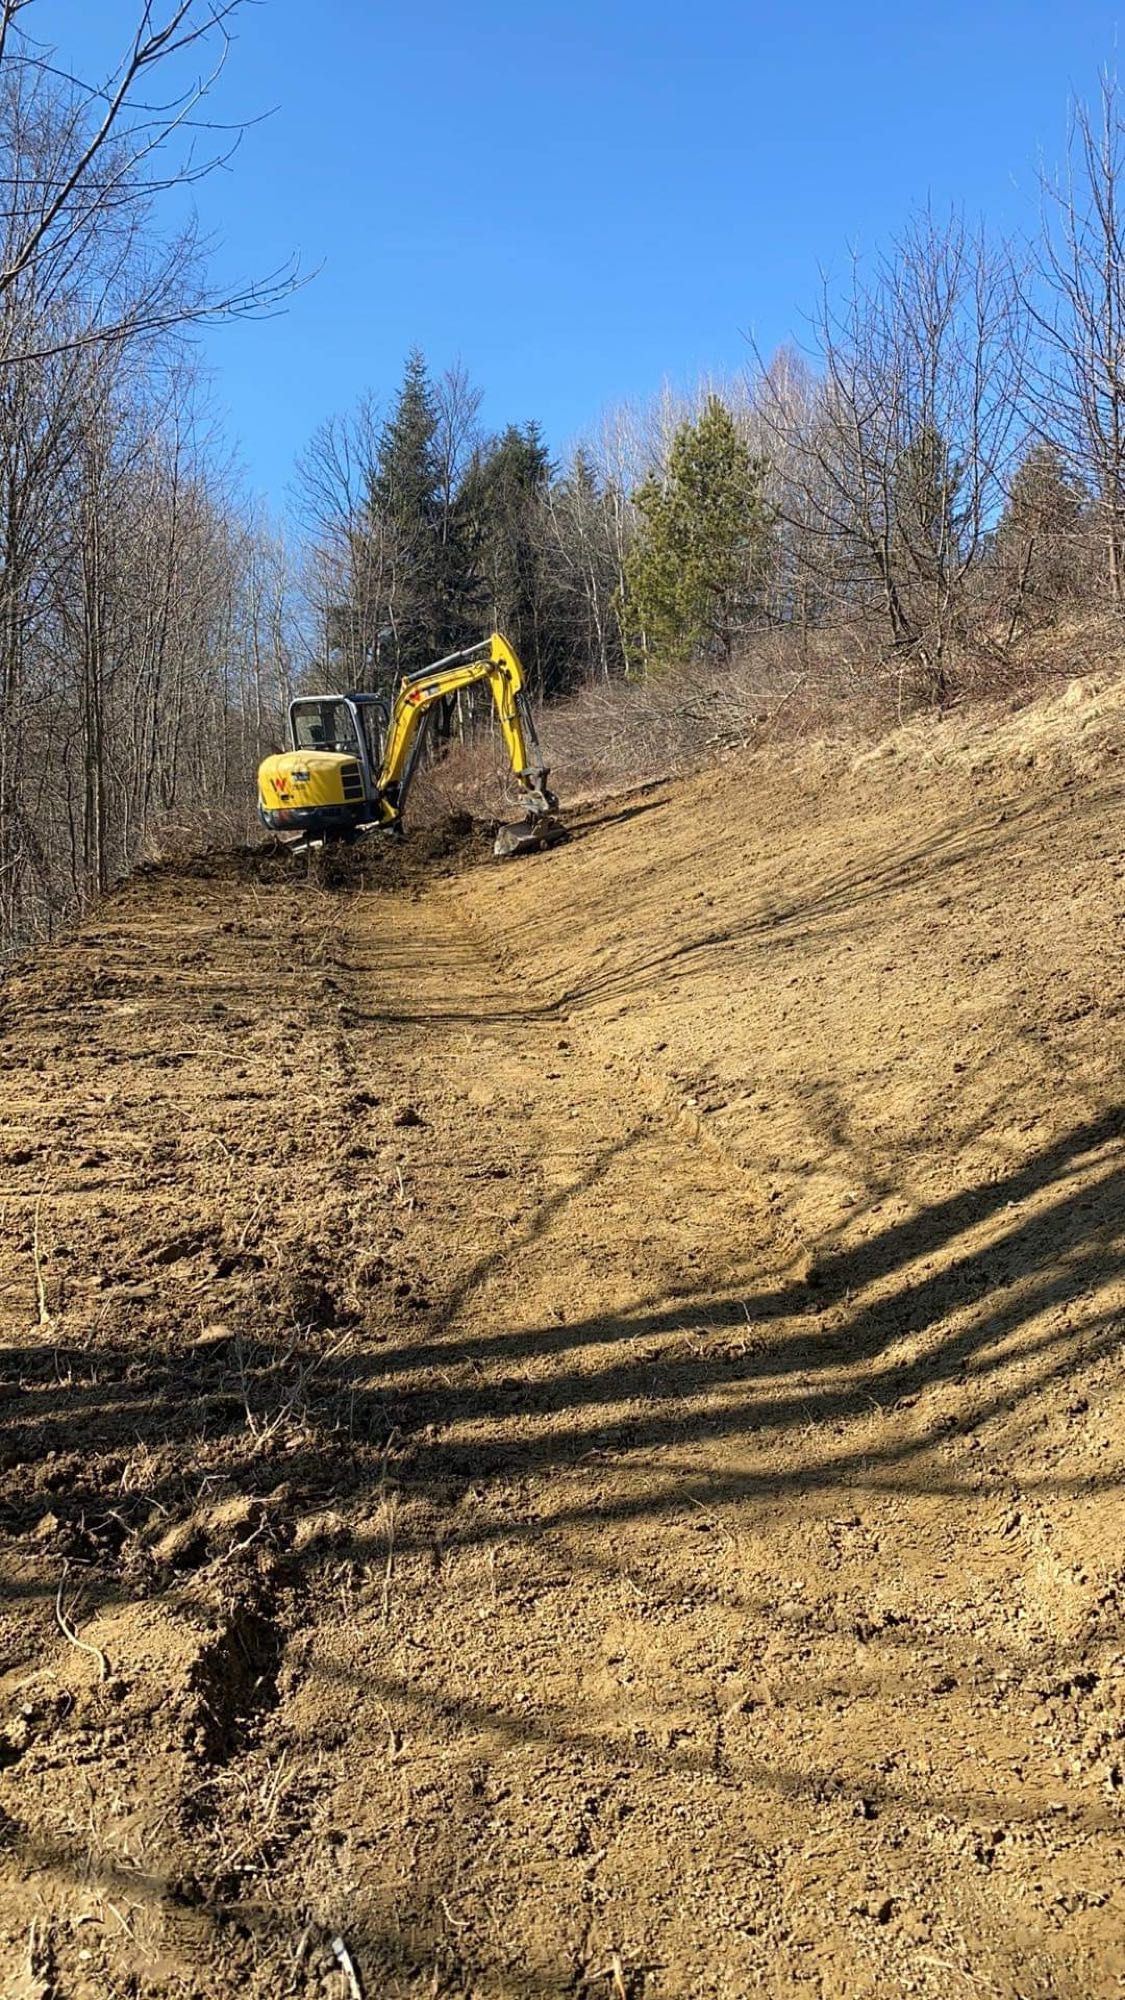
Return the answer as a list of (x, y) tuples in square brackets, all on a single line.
[(563, 1425)]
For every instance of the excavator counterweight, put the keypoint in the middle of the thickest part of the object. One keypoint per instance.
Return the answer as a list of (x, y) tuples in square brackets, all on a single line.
[(351, 761)]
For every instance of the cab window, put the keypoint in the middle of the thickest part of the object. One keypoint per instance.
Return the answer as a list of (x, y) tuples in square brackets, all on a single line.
[(324, 725)]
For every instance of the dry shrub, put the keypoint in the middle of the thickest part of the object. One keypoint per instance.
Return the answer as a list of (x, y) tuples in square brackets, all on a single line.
[(615, 734), (174, 840), (1046, 657)]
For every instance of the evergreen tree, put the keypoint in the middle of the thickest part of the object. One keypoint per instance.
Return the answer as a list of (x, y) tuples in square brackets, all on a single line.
[(693, 578), (503, 505), (1043, 498), (926, 485), (405, 477), (410, 567), (1040, 549)]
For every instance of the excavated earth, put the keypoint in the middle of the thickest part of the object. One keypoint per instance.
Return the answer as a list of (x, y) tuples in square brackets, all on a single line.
[(563, 1425)]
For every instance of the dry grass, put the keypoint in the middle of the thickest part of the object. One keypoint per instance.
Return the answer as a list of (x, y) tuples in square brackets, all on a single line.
[(618, 733)]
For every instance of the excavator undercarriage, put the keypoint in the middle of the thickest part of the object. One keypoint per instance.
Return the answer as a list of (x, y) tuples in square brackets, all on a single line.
[(352, 758)]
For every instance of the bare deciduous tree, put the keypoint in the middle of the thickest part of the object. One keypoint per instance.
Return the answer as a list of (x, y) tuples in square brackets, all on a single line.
[(1076, 301), (81, 163), (896, 473), (131, 584)]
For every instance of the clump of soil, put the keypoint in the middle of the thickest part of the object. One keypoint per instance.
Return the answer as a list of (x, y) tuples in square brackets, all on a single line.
[(454, 841)]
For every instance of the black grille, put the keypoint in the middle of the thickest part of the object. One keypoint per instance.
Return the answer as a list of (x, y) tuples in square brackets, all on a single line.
[(352, 781)]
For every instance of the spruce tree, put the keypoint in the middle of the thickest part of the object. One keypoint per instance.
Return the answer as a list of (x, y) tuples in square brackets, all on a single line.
[(410, 550), (404, 481), (694, 576), (1044, 500), (502, 506)]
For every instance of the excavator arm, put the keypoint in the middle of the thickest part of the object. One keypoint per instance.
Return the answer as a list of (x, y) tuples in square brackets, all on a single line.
[(494, 662)]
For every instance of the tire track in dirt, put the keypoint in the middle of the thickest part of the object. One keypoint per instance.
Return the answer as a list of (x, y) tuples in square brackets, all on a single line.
[(174, 1407), (395, 1300), (522, 1530)]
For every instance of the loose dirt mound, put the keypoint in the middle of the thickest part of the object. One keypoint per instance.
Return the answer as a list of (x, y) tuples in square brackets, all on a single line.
[(563, 1430), (446, 845)]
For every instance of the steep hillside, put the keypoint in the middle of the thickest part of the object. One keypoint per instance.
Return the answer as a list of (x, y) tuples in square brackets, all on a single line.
[(563, 1425)]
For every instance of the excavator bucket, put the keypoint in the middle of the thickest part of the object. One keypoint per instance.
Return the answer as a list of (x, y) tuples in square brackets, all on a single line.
[(541, 828), (524, 836)]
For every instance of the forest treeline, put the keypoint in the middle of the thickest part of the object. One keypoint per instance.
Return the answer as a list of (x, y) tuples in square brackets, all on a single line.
[(887, 518)]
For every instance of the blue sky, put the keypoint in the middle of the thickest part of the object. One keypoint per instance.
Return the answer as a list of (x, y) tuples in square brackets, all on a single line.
[(582, 202)]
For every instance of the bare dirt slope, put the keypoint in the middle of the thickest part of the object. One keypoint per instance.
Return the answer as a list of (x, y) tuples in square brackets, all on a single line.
[(563, 1424)]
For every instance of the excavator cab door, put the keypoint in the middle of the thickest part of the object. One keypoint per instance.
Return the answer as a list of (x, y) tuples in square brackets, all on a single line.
[(372, 718)]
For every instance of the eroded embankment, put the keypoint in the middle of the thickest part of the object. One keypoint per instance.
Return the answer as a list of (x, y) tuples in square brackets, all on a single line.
[(563, 1424)]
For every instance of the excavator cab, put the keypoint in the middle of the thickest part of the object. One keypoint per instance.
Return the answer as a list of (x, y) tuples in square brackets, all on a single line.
[(326, 786), (323, 722), (350, 725)]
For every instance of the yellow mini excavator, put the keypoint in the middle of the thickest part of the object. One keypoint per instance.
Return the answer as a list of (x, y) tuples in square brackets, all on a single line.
[(352, 759)]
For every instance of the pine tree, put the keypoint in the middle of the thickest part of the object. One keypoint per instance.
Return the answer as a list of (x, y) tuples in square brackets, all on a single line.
[(694, 575)]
